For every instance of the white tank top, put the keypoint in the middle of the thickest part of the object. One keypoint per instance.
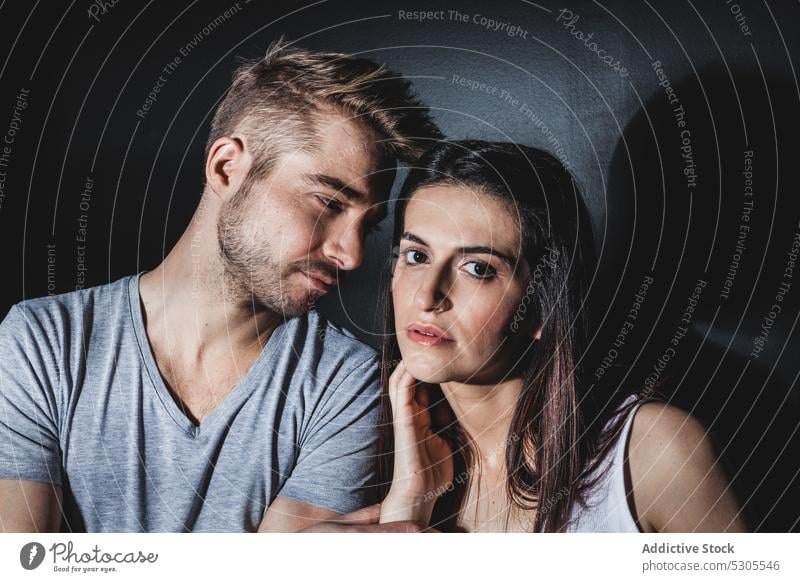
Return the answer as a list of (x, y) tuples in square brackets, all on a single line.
[(608, 509)]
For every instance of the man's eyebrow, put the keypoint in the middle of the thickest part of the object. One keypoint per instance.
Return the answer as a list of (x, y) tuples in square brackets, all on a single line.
[(478, 250), (336, 184)]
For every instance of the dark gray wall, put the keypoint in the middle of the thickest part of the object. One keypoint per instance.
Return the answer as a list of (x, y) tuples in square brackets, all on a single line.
[(84, 79)]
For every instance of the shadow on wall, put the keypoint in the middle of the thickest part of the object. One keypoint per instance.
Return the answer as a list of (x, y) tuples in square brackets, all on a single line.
[(696, 283)]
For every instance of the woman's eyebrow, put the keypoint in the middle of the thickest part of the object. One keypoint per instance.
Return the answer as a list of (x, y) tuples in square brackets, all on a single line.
[(413, 238), (477, 250), (481, 250)]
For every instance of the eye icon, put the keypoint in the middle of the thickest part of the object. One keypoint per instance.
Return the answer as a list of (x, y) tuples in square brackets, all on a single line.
[(31, 555)]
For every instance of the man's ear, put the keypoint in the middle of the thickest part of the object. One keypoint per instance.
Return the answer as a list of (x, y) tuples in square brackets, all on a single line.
[(227, 165)]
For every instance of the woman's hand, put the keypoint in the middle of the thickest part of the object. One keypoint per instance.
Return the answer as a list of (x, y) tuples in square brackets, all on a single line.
[(423, 465)]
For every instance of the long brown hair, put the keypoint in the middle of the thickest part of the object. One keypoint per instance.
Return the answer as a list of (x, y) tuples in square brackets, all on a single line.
[(560, 430)]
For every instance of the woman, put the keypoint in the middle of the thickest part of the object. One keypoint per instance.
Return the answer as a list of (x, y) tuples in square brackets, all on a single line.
[(489, 425)]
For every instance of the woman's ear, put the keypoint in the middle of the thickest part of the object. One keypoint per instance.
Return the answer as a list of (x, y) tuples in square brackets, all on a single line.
[(227, 165)]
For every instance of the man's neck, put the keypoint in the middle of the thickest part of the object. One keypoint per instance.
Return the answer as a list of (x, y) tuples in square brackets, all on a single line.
[(204, 338), (188, 306)]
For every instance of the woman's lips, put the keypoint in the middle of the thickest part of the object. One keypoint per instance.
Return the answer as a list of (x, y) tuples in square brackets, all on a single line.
[(427, 335)]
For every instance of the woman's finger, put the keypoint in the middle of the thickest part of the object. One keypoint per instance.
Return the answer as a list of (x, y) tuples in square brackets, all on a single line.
[(422, 395), (394, 379), (401, 388)]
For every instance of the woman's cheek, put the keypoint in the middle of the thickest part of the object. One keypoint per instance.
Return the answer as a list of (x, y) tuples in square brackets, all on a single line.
[(402, 298), (477, 321), (399, 294), (496, 317), (490, 339)]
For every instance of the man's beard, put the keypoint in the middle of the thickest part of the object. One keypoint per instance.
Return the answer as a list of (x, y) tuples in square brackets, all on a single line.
[(249, 270)]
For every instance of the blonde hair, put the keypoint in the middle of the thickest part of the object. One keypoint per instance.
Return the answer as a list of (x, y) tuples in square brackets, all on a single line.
[(275, 101)]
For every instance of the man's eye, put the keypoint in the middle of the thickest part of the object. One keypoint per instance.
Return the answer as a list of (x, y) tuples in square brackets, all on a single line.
[(480, 270), (414, 257), (330, 203)]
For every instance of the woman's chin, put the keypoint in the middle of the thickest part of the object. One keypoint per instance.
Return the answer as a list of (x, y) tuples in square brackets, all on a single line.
[(427, 369)]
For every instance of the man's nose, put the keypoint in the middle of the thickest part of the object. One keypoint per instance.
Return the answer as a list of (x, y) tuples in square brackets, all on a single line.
[(346, 248)]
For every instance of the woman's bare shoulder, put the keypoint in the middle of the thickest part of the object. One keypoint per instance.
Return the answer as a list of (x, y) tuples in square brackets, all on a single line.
[(658, 425), (677, 481)]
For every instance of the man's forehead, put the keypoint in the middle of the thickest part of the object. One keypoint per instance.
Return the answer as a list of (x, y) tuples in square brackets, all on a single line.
[(346, 156), (352, 145), (347, 140)]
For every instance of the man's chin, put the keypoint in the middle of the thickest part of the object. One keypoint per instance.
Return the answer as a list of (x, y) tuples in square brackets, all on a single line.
[(295, 306)]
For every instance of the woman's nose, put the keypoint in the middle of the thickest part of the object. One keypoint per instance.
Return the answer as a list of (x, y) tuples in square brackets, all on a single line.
[(433, 293)]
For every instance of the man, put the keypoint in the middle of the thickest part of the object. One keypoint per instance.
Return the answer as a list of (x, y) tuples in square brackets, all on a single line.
[(207, 395)]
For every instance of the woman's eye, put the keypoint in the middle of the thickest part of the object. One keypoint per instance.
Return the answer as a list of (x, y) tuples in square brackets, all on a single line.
[(480, 270), (414, 257), (330, 203)]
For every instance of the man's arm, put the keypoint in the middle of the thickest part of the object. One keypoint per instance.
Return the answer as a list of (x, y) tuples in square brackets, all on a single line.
[(330, 487), (289, 515), (29, 506), (336, 453), (30, 461)]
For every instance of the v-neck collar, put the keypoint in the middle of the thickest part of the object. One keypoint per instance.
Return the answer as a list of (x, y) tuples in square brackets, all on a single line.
[(242, 390)]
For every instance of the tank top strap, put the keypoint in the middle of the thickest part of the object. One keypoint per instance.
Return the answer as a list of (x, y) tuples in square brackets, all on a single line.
[(607, 508), (617, 493)]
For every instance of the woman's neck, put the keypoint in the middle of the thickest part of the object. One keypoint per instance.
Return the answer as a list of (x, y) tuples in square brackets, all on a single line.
[(485, 413)]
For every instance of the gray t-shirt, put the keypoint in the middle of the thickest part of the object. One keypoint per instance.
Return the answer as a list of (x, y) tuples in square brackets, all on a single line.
[(82, 405)]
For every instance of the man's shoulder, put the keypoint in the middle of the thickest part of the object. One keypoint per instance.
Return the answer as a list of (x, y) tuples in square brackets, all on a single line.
[(331, 350), (337, 341), (56, 313)]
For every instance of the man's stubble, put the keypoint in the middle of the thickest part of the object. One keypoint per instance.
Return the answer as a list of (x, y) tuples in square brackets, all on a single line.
[(251, 272)]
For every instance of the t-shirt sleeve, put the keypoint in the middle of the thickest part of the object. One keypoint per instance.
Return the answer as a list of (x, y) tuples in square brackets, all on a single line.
[(338, 455), (29, 444)]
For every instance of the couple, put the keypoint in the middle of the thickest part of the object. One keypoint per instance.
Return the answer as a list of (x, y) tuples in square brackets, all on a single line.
[(208, 395)]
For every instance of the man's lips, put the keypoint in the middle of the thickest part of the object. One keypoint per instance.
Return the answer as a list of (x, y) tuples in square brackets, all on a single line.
[(427, 335), (319, 281)]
